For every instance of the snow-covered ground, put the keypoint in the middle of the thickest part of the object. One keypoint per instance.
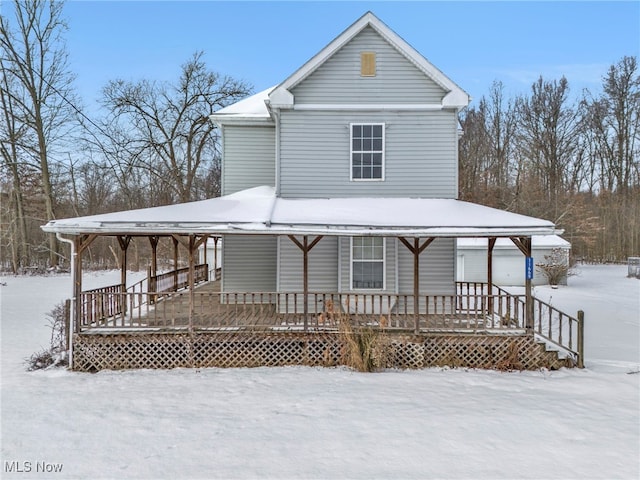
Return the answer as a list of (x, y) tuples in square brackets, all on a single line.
[(303, 422)]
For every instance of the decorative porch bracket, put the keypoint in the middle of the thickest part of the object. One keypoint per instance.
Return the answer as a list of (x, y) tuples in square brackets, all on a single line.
[(416, 249), (305, 246), (524, 245), (153, 240), (124, 242)]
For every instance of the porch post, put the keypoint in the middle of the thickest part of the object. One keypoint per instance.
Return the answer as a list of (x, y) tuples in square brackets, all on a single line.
[(416, 285), (417, 249), (77, 283), (175, 263), (192, 247), (527, 287), (206, 268), (492, 242), (124, 246), (306, 247), (81, 242), (305, 279), (524, 245), (153, 240), (215, 256)]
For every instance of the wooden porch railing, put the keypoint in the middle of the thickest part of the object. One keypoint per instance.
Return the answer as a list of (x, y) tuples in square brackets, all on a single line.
[(177, 279), (457, 312), (471, 309), (100, 304), (556, 327)]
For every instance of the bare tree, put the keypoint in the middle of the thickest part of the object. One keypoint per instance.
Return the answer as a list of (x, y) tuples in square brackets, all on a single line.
[(11, 137), (164, 128), (614, 120), (549, 140), (37, 85), (486, 149)]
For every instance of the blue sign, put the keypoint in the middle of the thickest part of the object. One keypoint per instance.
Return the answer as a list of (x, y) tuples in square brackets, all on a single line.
[(529, 268)]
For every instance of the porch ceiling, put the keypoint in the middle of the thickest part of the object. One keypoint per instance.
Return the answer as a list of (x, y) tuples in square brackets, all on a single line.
[(257, 211)]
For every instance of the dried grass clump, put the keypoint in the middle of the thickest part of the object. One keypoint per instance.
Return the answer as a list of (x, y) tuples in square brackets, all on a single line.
[(365, 349), (511, 361)]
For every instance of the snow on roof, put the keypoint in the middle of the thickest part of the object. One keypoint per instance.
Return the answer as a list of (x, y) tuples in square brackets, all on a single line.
[(537, 241), (252, 107), (245, 207), (259, 211)]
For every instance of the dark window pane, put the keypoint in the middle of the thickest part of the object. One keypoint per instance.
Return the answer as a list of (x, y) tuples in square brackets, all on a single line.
[(366, 130), (377, 144), (377, 131), (377, 172), (357, 131), (376, 159), (366, 144), (356, 145)]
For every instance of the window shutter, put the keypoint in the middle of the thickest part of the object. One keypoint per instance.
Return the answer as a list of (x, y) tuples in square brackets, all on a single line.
[(368, 64)]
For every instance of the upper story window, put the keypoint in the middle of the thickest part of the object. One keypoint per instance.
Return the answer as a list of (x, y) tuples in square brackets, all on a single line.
[(367, 263), (367, 151)]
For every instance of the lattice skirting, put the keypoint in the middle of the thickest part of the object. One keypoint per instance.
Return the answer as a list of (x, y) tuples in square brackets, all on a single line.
[(93, 352)]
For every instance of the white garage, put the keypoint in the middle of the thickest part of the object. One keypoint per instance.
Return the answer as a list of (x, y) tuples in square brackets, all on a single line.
[(508, 261)]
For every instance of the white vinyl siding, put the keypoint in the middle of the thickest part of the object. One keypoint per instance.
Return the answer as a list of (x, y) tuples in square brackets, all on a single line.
[(437, 268), (419, 154), (322, 274), (249, 263), (248, 156), (339, 79), (323, 266)]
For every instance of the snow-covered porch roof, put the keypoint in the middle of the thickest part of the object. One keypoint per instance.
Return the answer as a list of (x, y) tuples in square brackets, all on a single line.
[(259, 211)]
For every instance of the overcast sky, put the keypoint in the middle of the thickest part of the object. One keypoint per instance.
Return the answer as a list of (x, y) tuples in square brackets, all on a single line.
[(262, 43)]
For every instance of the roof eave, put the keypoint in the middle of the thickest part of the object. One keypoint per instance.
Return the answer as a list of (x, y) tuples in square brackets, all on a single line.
[(237, 119), (259, 228)]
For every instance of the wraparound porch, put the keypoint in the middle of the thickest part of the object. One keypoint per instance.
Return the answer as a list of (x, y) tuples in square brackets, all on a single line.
[(163, 329), (414, 222)]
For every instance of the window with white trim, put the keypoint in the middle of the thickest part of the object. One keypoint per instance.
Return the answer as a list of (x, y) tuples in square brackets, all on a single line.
[(367, 151), (367, 263)]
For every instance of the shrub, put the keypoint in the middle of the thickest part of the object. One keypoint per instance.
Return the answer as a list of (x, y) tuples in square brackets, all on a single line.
[(56, 354), (556, 266)]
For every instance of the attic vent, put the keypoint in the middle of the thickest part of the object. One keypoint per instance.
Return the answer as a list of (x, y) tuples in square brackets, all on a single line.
[(368, 64)]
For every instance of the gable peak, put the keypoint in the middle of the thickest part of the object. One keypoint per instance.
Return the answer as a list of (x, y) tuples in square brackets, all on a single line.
[(455, 97)]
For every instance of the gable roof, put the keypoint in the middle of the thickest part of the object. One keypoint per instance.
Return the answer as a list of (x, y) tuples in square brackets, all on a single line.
[(258, 211), (455, 98), (255, 109)]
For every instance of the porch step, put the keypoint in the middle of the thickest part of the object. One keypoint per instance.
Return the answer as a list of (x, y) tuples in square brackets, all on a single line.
[(555, 356)]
